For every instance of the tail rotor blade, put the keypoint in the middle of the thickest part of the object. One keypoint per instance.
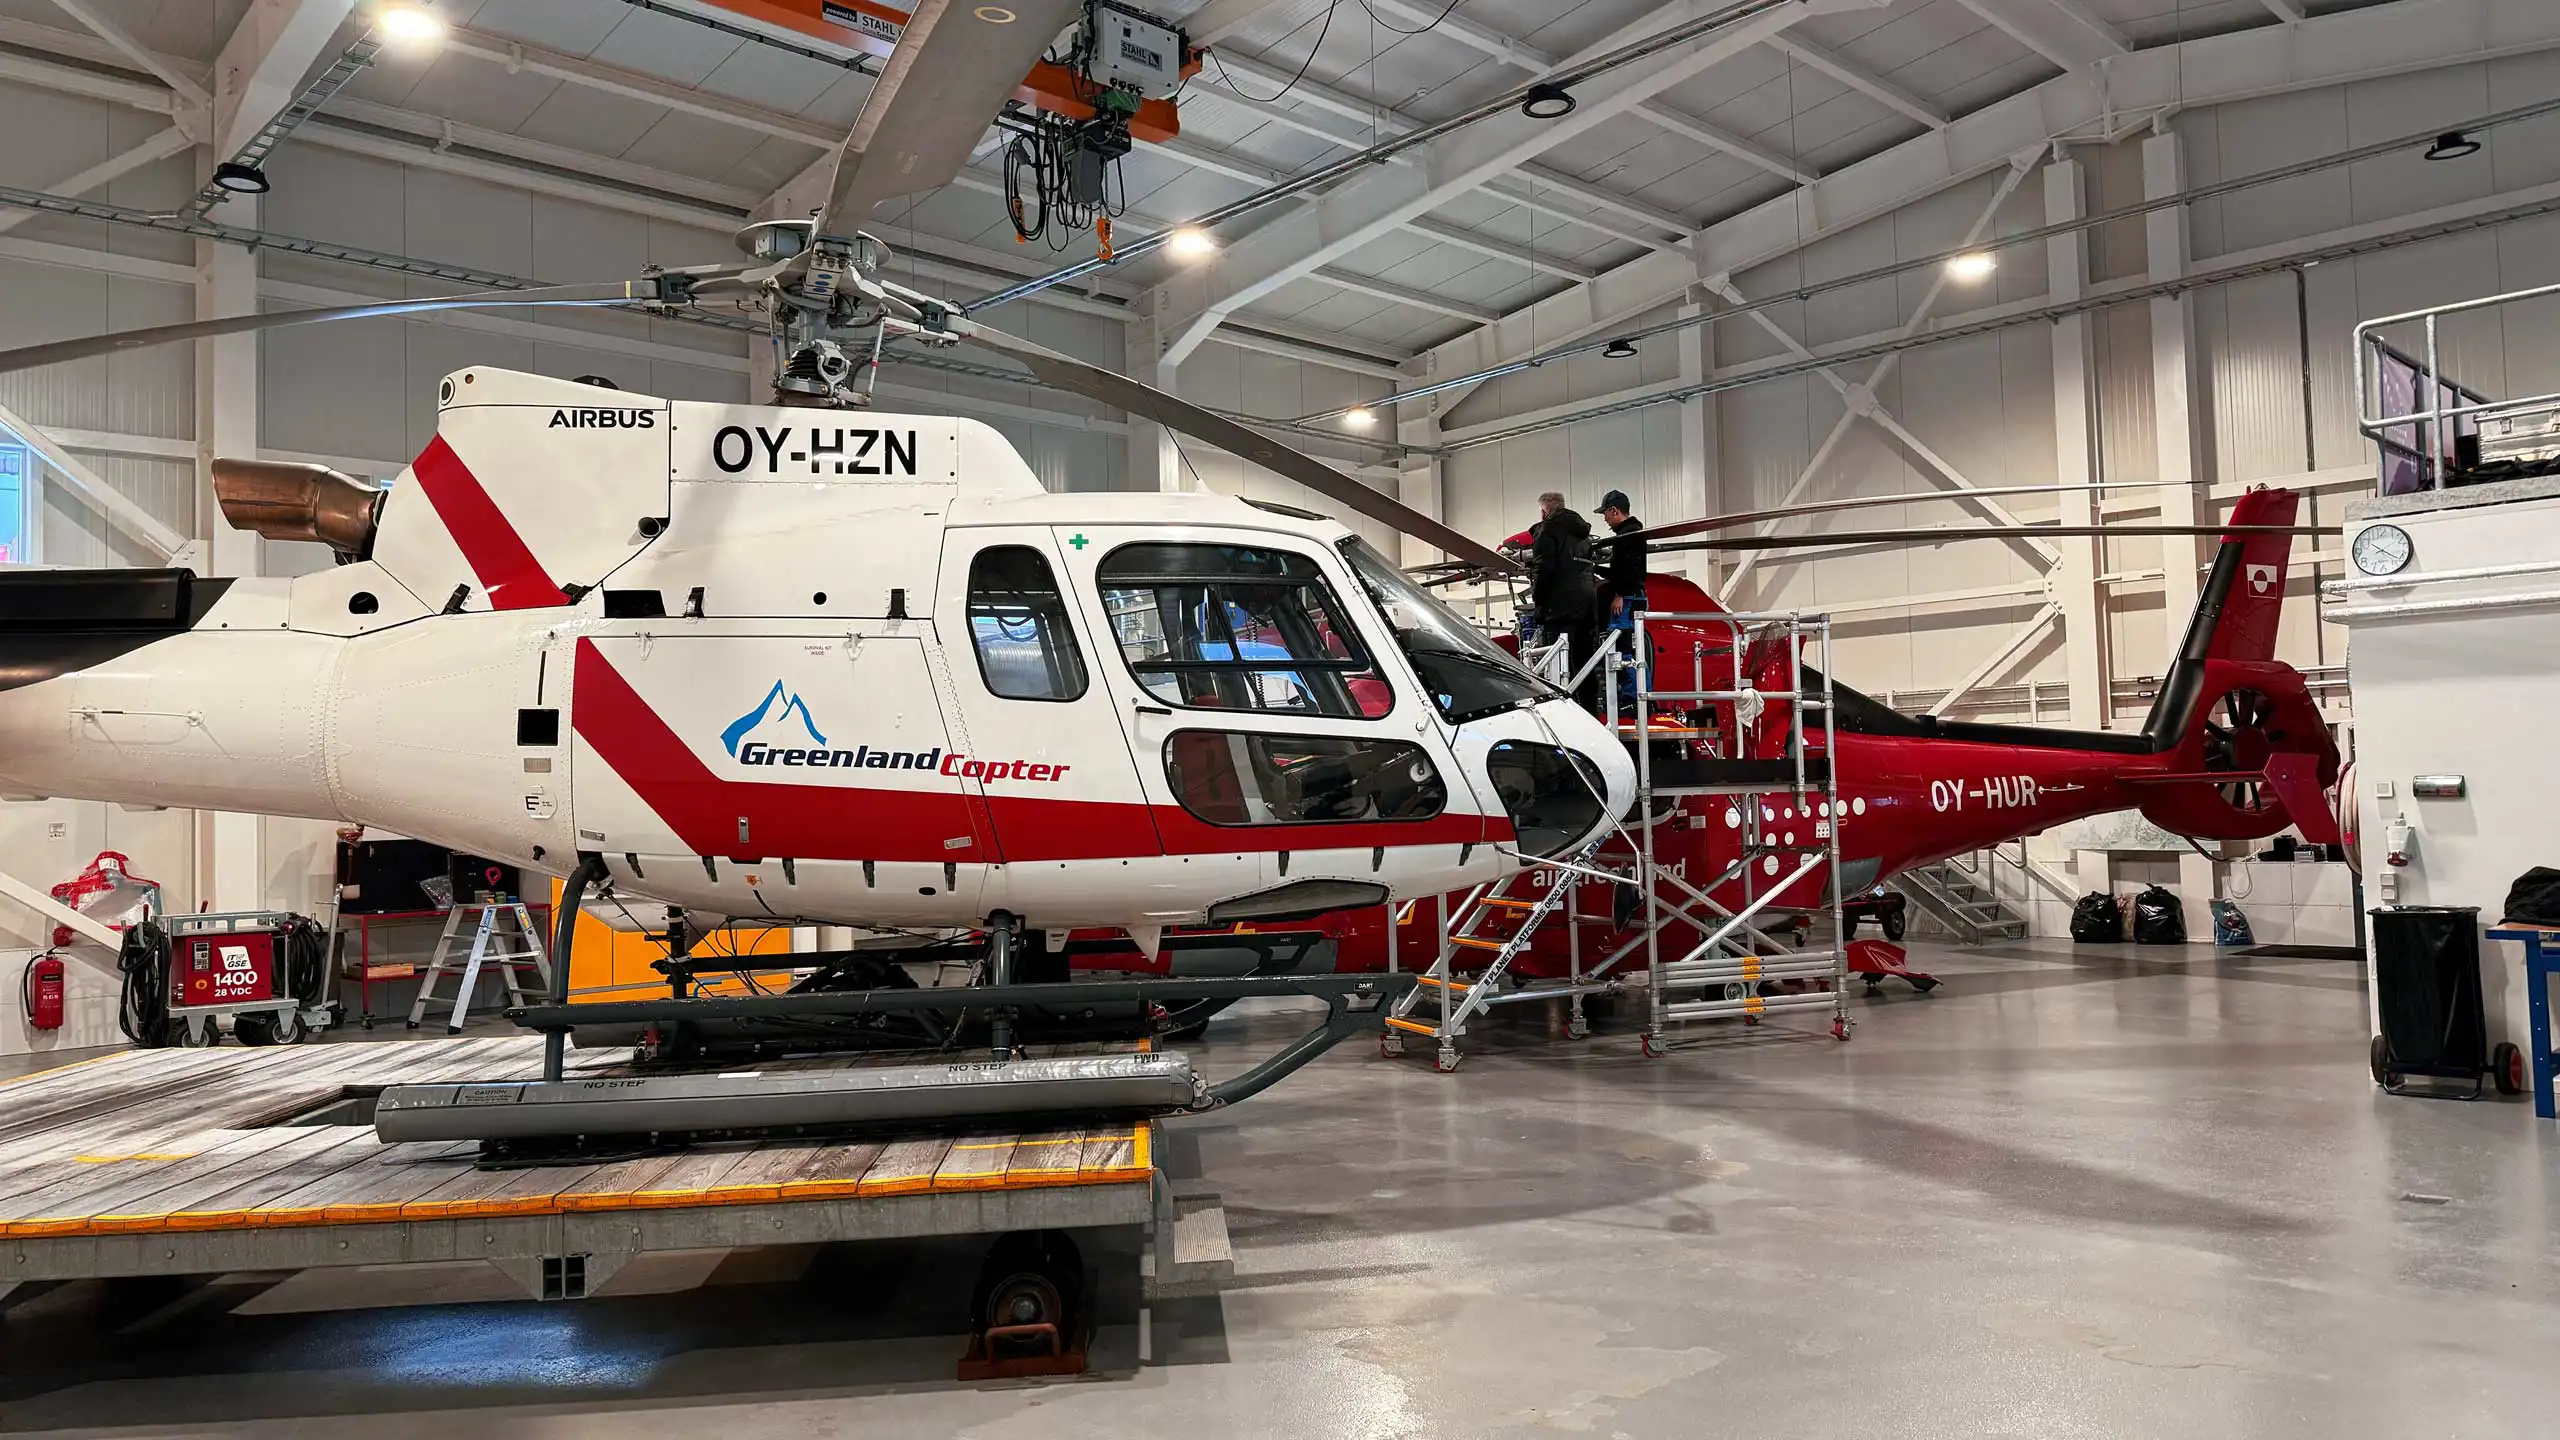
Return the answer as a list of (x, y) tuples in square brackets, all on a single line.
[(1112, 388)]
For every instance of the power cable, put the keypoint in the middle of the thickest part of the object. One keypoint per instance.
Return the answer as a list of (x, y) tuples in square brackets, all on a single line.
[(1312, 51), (1381, 23)]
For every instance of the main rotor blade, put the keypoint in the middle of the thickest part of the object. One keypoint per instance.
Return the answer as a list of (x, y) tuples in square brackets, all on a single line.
[(955, 64), (1675, 529), (1114, 388), (2002, 532), (28, 357)]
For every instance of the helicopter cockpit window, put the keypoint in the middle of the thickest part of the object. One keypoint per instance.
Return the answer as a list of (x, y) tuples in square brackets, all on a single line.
[(1226, 778), (1238, 627), (1018, 620), (1468, 675)]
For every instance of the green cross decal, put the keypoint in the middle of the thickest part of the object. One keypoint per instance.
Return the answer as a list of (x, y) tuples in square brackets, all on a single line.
[(1078, 541)]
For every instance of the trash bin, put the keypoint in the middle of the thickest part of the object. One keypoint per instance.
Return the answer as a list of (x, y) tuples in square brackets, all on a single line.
[(2426, 972)]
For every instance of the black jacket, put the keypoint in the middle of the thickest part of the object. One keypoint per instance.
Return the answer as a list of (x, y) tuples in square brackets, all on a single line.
[(1625, 571), (1561, 583)]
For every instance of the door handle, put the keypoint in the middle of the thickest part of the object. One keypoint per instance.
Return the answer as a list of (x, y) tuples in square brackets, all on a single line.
[(1152, 710)]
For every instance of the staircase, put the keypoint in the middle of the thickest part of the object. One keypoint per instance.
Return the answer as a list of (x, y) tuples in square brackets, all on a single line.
[(1487, 931), (1961, 900)]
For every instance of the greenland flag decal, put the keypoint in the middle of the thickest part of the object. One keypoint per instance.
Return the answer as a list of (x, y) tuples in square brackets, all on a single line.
[(2262, 578)]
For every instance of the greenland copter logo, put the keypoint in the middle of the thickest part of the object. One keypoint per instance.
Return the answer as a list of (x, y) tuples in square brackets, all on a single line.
[(779, 707), (2262, 578)]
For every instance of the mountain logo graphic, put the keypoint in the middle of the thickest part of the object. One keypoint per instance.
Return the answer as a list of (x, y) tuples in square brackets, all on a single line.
[(2262, 578), (778, 705)]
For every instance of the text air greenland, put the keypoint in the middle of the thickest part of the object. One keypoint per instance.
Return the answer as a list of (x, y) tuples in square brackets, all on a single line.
[(794, 741)]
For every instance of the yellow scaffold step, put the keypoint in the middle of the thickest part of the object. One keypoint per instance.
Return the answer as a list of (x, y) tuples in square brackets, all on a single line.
[(1460, 986), (1505, 902), (1477, 942), (1414, 1026)]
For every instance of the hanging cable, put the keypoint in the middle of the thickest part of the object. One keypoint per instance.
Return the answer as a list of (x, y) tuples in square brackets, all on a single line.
[(1381, 22), (1230, 81)]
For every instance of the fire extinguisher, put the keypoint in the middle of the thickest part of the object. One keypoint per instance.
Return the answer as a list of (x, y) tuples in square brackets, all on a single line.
[(40, 990)]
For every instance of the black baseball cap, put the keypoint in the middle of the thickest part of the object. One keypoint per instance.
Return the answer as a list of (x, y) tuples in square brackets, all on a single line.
[(1614, 500)]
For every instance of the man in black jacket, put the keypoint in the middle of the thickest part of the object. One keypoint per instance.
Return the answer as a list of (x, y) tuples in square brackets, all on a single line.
[(1622, 584), (1560, 585)]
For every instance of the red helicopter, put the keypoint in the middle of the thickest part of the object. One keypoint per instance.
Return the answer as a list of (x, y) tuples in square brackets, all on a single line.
[(2233, 749)]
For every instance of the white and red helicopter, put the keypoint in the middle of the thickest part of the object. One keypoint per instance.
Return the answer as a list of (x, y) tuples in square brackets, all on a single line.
[(814, 663)]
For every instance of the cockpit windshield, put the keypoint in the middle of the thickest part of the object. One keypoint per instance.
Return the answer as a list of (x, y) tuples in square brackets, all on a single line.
[(1468, 675)]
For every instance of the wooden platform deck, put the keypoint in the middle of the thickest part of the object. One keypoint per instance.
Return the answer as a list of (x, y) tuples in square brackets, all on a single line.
[(181, 1161)]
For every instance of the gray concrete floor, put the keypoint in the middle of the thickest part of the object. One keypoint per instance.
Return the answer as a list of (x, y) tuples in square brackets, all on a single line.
[(2100, 1193)]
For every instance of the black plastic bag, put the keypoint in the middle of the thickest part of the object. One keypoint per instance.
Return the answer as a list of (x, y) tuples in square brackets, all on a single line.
[(2535, 897), (2096, 920), (2158, 918)]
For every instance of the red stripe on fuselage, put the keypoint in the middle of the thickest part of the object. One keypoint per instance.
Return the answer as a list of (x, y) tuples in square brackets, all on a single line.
[(831, 822), (488, 540)]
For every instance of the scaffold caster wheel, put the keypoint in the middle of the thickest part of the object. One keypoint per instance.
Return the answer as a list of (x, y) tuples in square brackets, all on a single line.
[(1446, 1062), (1651, 1045), (1839, 1029), (1390, 1045), (1577, 1028)]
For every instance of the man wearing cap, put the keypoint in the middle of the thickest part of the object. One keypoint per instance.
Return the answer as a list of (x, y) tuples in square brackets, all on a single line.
[(1622, 583)]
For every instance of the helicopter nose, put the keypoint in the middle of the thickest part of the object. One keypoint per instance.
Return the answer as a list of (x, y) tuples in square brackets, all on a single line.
[(1566, 787)]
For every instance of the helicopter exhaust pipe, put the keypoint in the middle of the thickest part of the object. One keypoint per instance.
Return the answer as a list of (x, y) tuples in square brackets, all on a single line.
[(283, 500)]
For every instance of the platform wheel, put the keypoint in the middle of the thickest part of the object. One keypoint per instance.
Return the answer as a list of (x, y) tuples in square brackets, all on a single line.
[(1895, 922), (2383, 1074), (254, 1029), (2507, 1068), (1840, 1028), (1390, 1046), (1446, 1062), (188, 1036)]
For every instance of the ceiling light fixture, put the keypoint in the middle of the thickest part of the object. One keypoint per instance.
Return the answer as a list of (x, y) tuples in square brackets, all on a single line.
[(240, 178), (1547, 102), (1359, 417), (1619, 349), (409, 25), (1971, 268), (1193, 243), (2453, 145)]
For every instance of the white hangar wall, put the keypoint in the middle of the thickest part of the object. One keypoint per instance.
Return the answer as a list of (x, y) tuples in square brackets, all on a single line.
[(1983, 408)]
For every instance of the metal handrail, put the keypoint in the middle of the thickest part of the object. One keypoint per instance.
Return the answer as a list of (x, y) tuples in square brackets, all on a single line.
[(2435, 415)]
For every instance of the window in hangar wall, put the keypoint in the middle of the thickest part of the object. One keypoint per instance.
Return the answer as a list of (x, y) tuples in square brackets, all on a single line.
[(18, 490)]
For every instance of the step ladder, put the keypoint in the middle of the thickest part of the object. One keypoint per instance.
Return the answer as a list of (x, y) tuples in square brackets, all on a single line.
[(1961, 901), (1487, 956), (501, 935)]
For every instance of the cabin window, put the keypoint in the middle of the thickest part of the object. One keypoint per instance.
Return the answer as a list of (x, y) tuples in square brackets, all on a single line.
[(1238, 627), (1228, 778), (1018, 622)]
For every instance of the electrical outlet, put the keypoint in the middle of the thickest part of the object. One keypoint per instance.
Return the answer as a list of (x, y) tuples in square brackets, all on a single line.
[(57, 830)]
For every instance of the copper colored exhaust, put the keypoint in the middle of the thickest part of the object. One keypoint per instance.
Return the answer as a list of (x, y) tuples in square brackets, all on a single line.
[(283, 500)]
